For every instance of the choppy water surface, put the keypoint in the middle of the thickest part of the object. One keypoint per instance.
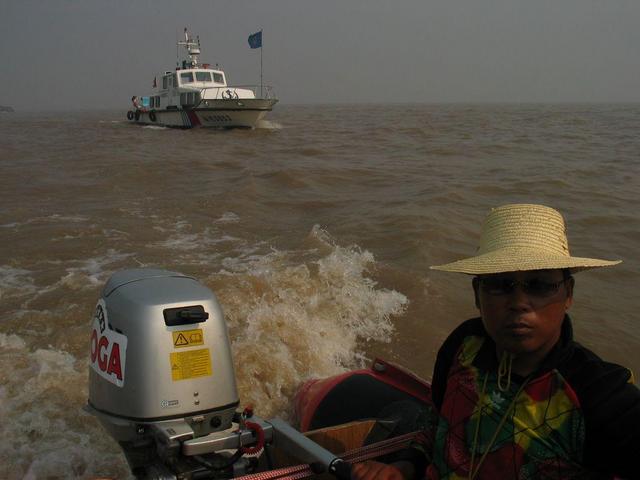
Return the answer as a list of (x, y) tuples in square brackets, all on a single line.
[(316, 232)]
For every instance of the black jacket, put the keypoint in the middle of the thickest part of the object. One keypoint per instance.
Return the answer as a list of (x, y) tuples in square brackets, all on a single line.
[(609, 401)]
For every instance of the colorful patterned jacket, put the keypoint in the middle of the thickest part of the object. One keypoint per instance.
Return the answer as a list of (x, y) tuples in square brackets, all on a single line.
[(576, 417)]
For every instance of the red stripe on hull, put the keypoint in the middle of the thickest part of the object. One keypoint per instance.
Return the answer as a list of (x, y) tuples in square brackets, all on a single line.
[(195, 121)]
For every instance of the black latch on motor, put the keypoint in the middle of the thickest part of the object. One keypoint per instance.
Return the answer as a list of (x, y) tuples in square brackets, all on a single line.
[(184, 315)]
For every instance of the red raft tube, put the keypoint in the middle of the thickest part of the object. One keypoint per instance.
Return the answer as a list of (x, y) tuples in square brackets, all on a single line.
[(358, 395)]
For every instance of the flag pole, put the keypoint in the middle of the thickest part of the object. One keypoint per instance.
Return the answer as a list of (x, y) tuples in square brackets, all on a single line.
[(261, 47)]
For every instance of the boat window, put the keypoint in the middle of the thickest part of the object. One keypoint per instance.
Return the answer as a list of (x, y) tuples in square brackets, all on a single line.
[(203, 76), (164, 82), (218, 78), (186, 77), (190, 98)]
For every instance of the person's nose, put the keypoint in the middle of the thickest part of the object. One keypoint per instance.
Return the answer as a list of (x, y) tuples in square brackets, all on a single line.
[(519, 300)]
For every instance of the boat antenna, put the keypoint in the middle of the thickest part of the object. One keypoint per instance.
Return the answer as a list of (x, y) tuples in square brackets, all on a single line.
[(193, 49)]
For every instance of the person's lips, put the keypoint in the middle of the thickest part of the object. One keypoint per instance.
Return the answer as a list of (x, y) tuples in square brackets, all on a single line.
[(518, 328)]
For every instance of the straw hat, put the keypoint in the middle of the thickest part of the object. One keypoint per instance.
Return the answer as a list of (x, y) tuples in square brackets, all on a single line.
[(522, 237)]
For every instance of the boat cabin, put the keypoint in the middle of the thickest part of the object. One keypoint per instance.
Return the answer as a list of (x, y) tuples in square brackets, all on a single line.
[(195, 77), (185, 87), (193, 85)]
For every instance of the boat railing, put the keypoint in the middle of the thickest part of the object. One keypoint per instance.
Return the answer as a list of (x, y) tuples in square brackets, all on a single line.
[(229, 92)]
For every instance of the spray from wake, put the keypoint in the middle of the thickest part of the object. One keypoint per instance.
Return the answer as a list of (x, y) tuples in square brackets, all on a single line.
[(291, 321), (268, 125), (47, 435)]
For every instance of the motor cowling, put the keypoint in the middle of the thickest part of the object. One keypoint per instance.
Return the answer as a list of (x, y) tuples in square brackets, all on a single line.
[(161, 369)]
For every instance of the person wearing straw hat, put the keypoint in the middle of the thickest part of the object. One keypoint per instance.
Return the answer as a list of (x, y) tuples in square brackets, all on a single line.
[(515, 395)]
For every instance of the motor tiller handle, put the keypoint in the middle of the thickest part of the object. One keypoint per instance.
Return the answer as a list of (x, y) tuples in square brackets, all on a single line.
[(320, 459)]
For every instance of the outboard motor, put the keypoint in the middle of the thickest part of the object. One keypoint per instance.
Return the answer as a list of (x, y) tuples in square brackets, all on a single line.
[(162, 383), (161, 371)]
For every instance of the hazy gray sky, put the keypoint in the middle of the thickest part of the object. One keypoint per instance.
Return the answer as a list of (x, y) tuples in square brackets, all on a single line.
[(97, 53)]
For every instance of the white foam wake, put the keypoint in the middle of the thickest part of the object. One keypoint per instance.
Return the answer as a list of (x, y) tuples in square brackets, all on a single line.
[(290, 321), (47, 434)]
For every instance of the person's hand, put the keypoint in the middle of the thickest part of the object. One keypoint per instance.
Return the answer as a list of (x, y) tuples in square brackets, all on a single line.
[(375, 471)]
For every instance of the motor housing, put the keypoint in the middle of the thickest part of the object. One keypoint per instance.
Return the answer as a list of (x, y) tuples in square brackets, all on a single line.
[(160, 357)]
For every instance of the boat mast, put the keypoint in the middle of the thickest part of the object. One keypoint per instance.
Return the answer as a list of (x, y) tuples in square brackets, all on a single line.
[(193, 49)]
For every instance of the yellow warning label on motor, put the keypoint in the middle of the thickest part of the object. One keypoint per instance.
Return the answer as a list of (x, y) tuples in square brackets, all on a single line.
[(188, 338), (190, 364)]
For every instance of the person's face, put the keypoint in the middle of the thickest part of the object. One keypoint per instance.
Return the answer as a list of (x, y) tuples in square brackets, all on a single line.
[(523, 319)]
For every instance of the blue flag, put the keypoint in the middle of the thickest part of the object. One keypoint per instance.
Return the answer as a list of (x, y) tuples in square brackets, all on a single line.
[(255, 40)]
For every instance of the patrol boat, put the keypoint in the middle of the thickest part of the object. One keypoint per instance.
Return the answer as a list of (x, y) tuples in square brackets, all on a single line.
[(196, 95)]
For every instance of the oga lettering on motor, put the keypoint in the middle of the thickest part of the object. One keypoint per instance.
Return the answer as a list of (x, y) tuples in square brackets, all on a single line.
[(108, 348)]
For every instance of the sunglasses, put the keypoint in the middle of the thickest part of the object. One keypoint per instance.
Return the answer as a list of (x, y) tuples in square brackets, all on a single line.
[(536, 287)]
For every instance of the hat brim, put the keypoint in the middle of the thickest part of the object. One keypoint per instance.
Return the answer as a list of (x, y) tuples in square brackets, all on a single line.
[(516, 260)]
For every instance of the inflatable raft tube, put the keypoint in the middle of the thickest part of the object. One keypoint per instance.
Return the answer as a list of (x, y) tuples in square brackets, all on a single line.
[(358, 395)]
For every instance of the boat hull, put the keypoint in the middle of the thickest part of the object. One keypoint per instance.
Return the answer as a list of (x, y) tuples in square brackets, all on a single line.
[(232, 113), (357, 395)]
